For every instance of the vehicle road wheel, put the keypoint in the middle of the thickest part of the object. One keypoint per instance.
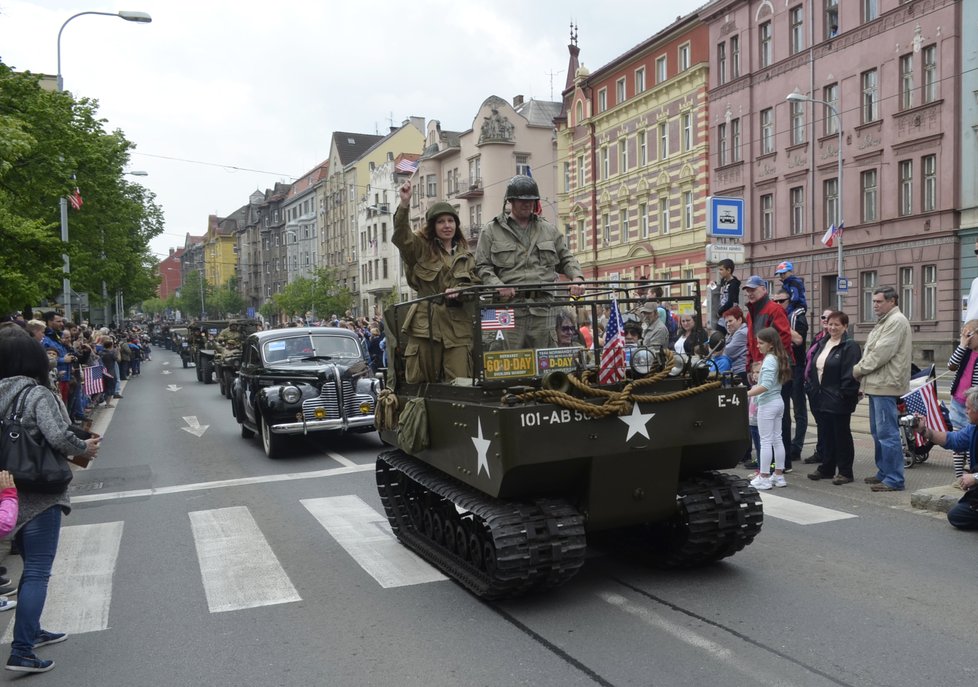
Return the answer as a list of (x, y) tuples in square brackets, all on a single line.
[(272, 443), (245, 432), (207, 371), (185, 363), (200, 372)]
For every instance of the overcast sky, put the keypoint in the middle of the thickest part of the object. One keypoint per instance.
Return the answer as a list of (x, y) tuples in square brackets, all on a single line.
[(222, 97)]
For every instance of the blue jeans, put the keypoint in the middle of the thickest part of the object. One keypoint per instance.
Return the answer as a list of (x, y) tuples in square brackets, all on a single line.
[(886, 440), (38, 543)]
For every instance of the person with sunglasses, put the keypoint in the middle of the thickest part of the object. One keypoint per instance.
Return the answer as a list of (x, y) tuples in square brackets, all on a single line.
[(793, 392)]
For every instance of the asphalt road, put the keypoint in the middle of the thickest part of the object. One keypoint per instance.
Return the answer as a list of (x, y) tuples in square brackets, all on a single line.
[(191, 559)]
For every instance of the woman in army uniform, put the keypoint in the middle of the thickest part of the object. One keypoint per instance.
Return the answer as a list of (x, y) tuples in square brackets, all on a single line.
[(437, 260)]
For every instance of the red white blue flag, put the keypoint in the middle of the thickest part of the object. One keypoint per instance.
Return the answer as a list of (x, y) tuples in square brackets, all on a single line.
[(613, 354), (923, 401), (498, 318), (833, 232), (92, 379)]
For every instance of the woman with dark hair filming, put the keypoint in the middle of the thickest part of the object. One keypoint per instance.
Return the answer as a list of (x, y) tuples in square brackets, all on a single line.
[(437, 260), (24, 372)]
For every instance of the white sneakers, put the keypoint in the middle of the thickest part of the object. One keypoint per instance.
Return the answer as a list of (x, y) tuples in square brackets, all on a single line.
[(7, 604), (762, 483)]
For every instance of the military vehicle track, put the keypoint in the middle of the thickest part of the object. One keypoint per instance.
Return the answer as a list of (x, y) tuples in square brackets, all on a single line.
[(494, 548)]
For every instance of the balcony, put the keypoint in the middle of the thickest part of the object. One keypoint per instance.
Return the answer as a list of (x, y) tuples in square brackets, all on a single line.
[(470, 188)]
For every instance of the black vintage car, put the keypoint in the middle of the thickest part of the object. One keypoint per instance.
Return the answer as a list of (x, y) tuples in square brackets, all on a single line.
[(297, 381)]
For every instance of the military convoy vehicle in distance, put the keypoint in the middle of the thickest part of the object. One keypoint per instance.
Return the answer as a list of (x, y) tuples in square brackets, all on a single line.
[(179, 343), (227, 357), (203, 335), (498, 480)]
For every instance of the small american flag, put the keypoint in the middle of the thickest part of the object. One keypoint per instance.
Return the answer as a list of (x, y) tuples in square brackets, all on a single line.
[(92, 379), (923, 401), (613, 355), (498, 318), (406, 166), (75, 199)]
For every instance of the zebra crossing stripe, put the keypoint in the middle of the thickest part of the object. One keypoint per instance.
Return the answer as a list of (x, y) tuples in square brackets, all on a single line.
[(798, 512), (80, 589), (367, 537), (233, 554)]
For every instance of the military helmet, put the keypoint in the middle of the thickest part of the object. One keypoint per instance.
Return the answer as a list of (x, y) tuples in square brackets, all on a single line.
[(522, 187), (439, 209)]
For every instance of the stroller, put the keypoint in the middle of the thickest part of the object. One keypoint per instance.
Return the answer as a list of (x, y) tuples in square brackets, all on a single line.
[(916, 450)]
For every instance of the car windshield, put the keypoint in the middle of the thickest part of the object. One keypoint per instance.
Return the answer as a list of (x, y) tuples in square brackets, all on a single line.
[(304, 346)]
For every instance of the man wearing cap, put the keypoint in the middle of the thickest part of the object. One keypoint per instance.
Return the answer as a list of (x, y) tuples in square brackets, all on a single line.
[(762, 312), (795, 286), (523, 248), (656, 334)]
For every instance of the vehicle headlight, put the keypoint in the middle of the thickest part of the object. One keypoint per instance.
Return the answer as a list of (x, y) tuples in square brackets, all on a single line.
[(643, 361), (365, 408), (291, 394)]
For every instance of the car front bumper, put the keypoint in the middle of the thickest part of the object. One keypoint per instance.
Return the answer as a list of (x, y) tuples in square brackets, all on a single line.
[(337, 424)]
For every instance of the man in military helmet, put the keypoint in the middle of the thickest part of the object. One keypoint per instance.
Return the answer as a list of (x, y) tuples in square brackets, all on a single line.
[(523, 248), (230, 336)]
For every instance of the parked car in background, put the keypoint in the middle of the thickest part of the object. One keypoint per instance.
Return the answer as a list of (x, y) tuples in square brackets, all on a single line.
[(302, 380)]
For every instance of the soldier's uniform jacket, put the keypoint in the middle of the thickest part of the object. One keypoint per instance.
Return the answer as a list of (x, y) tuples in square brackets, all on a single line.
[(508, 254), (229, 338), (430, 274)]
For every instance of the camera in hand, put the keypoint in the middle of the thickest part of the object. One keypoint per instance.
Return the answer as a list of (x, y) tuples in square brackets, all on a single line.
[(909, 420)]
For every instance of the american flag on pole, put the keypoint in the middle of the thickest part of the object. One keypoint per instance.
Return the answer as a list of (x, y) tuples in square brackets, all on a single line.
[(613, 354), (92, 379), (923, 401), (498, 318), (829, 238), (406, 166), (75, 199)]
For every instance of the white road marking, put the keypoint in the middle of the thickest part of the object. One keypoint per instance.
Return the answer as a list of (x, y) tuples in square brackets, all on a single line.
[(342, 460), (80, 588), (237, 566), (367, 537), (219, 484), (193, 426), (798, 512), (173, 387), (165, 372)]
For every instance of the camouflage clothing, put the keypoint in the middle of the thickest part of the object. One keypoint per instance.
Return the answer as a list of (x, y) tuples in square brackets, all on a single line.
[(439, 334), (229, 338), (510, 255)]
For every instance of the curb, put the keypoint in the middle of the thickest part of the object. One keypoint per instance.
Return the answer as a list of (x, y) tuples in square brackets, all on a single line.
[(937, 499)]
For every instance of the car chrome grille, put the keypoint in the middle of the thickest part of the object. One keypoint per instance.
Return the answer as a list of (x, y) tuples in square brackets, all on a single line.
[(328, 400)]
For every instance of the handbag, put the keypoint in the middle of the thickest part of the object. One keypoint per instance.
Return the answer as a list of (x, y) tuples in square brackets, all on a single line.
[(35, 465)]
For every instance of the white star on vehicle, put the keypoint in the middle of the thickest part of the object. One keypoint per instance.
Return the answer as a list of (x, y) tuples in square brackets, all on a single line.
[(637, 422), (482, 449)]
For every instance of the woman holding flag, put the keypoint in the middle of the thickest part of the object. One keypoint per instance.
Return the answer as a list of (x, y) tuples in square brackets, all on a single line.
[(963, 364)]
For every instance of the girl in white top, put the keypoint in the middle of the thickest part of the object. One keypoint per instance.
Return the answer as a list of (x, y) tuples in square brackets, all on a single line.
[(775, 371)]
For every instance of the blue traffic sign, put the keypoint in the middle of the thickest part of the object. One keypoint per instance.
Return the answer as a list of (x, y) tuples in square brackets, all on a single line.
[(725, 217)]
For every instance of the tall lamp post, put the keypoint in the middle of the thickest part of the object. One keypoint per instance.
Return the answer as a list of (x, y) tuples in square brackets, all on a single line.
[(797, 97), (139, 17)]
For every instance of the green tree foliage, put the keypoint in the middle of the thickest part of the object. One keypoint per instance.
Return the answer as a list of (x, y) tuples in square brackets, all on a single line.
[(319, 295), (226, 300), (194, 292), (50, 144)]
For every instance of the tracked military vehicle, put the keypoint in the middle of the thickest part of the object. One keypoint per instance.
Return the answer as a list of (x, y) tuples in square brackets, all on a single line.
[(499, 479)]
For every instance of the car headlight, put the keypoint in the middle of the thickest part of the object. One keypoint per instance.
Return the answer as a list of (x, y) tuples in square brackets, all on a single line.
[(291, 394), (643, 361)]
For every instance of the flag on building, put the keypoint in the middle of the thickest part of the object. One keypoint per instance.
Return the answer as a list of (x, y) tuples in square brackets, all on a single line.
[(923, 401), (92, 379), (75, 199), (613, 354), (830, 236), (406, 166), (498, 318)]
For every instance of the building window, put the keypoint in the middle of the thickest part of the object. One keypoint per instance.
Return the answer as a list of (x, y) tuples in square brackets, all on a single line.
[(580, 234), (721, 63), (620, 91), (661, 69), (606, 233), (764, 38), (602, 100), (567, 176), (870, 87), (687, 209), (930, 73), (906, 187), (687, 127), (664, 215), (767, 216), (868, 182), (830, 94), (475, 172), (643, 148), (523, 164), (871, 10), (579, 113), (684, 57), (867, 282), (734, 57), (797, 26), (831, 18), (643, 220), (580, 171), (906, 292), (622, 156), (906, 81), (767, 131), (735, 140), (928, 165), (639, 80), (431, 187), (830, 201), (623, 226), (797, 194), (663, 141), (721, 144), (929, 277), (797, 123), (385, 268), (605, 163)]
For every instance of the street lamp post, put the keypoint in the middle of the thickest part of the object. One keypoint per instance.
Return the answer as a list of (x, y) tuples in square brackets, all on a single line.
[(797, 97), (139, 17)]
